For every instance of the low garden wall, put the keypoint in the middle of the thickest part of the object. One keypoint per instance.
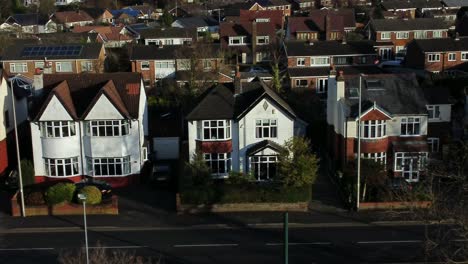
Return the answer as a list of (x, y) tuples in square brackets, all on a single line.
[(242, 207), (394, 205), (110, 208)]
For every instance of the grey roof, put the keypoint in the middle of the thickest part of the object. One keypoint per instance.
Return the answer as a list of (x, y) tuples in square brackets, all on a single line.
[(193, 22), (396, 94), (220, 102), (88, 51), (325, 71), (168, 33), (443, 44), (257, 147), (408, 4), (437, 95), (408, 24), (27, 19), (327, 48), (169, 52), (455, 3)]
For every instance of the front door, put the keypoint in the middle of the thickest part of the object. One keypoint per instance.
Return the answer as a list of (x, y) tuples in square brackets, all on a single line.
[(385, 53)]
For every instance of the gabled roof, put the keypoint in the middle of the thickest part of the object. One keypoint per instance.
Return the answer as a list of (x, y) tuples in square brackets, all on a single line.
[(442, 44), (72, 16), (221, 102), (396, 94), (107, 33), (195, 22), (408, 4), (79, 92), (21, 52), (328, 48), (408, 24), (27, 19), (275, 16)]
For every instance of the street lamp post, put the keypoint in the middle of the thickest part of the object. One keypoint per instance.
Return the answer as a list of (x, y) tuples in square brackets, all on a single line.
[(359, 146), (83, 197), (20, 175)]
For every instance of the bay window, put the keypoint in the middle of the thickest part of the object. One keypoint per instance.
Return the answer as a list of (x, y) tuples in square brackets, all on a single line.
[(373, 129), (108, 128), (61, 167), (380, 157), (219, 163), (214, 129), (410, 126), (118, 166), (57, 129), (266, 128)]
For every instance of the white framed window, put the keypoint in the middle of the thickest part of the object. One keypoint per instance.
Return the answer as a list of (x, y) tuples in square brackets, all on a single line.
[(86, 66), (464, 56), (262, 56), (373, 129), (63, 66), (108, 128), (18, 67), (410, 126), (301, 83), (219, 163), (61, 167), (322, 85), (433, 112), (433, 144), (433, 57), (144, 153), (214, 129), (207, 65), (238, 40), (437, 34), (165, 65), (380, 157), (263, 40), (300, 61), (57, 129), (263, 168), (420, 34), (314, 61), (385, 35), (262, 20), (145, 65), (115, 166), (39, 64), (266, 128), (452, 57), (410, 164), (402, 35)]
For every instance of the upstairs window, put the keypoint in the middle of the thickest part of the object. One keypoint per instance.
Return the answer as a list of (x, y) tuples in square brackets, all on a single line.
[(433, 111), (215, 130), (64, 66), (108, 128), (410, 126), (57, 129), (385, 35), (434, 57), (145, 65), (314, 61), (402, 35), (86, 66), (263, 40), (233, 41), (464, 56), (437, 34), (373, 129), (18, 67), (420, 34), (266, 128), (300, 61), (452, 57)]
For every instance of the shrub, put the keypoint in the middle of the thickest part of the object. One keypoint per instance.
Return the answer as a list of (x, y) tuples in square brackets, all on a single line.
[(35, 198), (93, 194), (27, 172), (59, 193)]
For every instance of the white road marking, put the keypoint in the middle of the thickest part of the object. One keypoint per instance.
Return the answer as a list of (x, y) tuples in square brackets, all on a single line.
[(207, 245), (24, 249), (116, 247), (389, 242), (298, 244)]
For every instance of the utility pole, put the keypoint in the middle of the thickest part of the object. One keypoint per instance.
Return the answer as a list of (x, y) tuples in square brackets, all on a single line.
[(18, 158), (359, 147), (83, 198), (286, 239)]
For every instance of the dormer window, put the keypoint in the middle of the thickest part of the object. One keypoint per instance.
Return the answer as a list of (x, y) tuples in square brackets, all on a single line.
[(238, 40), (214, 130)]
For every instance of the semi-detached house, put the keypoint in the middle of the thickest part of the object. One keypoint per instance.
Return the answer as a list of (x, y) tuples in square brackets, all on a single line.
[(89, 126)]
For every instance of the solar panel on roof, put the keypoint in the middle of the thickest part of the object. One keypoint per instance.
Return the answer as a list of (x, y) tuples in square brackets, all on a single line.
[(65, 50)]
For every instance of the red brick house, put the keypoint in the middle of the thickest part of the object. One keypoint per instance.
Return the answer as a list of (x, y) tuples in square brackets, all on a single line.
[(248, 16), (438, 55), (392, 35), (309, 62), (393, 122), (417, 8), (283, 5), (250, 42)]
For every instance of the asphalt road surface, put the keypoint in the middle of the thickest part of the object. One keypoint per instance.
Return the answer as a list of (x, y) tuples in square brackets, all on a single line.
[(261, 244)]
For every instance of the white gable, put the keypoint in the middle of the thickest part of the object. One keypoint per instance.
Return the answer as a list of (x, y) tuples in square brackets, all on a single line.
[(104, 109), (55, 111)]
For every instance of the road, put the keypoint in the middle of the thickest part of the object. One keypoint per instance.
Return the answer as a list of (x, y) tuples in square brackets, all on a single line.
[(353, 243)]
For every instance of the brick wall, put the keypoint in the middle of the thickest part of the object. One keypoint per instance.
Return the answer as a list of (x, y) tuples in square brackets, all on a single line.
[(3, 156)]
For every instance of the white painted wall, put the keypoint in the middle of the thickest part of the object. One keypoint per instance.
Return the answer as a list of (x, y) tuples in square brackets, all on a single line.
[(55, 111), (165, 41), (103, 109), (445, 114), (164, 72)]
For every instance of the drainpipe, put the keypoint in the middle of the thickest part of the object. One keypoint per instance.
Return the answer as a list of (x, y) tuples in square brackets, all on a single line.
[(82, 155)]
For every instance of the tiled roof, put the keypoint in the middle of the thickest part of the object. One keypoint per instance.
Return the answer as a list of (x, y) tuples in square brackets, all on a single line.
[(443, 44), (168, 33), (257, 147), (328, 48), (265, 3), (408, 4), (408, 24), (88, 51), (231, 29), (455, 3), (27, 19), (79, 92), (72, 16), (171, 52), (275, 16), (346, 16), (108, 33), (200, 21)]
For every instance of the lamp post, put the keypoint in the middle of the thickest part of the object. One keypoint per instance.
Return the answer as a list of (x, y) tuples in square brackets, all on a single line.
[(359, 146), (20, 175), (82, 198)]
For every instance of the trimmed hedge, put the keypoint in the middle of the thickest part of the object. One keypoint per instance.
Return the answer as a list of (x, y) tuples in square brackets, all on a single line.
[(247, 193), (93, 194), (59, 193)]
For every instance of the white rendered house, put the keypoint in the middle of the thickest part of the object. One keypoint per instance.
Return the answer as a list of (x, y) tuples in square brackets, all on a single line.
[(89, 125), (242, 129)]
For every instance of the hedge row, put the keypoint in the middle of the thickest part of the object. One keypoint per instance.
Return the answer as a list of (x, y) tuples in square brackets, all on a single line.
[(251, 193)]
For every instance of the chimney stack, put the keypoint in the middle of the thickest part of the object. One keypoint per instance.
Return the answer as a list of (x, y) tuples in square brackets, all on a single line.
[(38, 83), (254, 41), (237, 82)]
